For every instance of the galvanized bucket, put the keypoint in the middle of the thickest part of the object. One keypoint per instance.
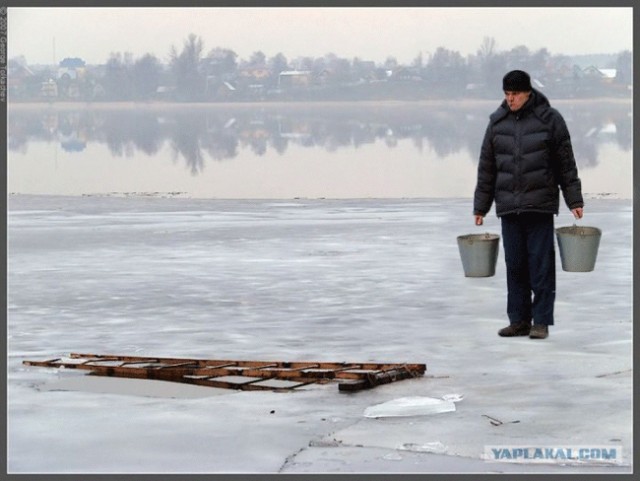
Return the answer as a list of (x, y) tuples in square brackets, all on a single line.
[(479, 254), (578, 247)]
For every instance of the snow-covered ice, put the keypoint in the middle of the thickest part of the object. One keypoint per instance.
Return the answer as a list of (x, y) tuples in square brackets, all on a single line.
[(308, 280)]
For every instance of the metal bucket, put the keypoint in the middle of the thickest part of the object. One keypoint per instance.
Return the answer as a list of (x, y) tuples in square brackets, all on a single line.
[(479, 254), (578, 247)]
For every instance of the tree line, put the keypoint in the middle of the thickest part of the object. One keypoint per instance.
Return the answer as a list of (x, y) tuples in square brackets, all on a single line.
[(194, 74)]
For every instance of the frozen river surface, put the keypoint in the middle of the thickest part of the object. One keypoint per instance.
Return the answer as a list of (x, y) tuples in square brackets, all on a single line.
[(307, 280)]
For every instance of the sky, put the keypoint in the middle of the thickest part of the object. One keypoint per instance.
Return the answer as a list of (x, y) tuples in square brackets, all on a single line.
[(46, 35)]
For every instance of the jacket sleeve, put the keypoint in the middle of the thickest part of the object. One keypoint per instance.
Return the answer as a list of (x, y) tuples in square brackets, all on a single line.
[(485, 186), (567, 171)]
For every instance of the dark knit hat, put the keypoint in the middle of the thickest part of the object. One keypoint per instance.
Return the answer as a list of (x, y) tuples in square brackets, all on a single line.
[(516, 81)]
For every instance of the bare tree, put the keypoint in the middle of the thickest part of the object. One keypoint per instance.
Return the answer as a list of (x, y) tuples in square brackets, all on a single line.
[(190, 81), (487, 48)]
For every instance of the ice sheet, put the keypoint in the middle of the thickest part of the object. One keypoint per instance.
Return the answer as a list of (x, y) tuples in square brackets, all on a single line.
[(334, 280)]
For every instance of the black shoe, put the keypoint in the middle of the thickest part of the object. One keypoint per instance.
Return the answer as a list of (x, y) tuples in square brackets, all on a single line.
[(519, 329), (539, 331)]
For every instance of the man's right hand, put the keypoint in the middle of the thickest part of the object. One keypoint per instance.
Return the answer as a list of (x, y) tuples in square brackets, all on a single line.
[(479, 219)]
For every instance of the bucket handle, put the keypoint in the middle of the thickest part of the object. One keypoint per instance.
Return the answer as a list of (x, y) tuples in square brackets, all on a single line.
[(579, 230)]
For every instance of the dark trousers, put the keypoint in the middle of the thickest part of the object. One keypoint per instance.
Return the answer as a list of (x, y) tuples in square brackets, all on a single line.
[(528, 240)]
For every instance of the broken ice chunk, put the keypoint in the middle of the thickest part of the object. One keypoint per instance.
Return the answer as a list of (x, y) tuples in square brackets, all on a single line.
[(453, 397), (410, 406), (433, 447)]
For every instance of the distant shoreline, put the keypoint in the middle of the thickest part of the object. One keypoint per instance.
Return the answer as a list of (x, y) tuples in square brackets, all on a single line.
[(286, 104)]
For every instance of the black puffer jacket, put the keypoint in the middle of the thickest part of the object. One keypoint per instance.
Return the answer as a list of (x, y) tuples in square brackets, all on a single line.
[(525, 159)]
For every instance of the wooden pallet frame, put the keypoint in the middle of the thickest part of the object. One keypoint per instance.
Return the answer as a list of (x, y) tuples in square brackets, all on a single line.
[(262, 375)]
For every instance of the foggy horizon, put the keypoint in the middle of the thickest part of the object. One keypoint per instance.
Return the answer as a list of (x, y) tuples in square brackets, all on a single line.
[(47, 35)]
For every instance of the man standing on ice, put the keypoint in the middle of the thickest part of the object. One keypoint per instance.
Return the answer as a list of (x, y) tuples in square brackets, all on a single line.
[(526, 158)]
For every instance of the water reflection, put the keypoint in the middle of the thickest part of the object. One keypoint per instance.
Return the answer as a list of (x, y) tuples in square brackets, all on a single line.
[(219, 133)]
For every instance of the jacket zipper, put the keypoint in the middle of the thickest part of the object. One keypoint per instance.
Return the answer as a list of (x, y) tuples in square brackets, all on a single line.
[(518, 186)]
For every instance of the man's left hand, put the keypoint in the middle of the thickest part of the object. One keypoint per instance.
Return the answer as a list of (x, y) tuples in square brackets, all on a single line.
[(577, 212)]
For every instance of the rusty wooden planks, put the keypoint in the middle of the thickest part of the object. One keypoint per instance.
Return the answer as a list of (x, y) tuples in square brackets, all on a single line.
[(247, 375)]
